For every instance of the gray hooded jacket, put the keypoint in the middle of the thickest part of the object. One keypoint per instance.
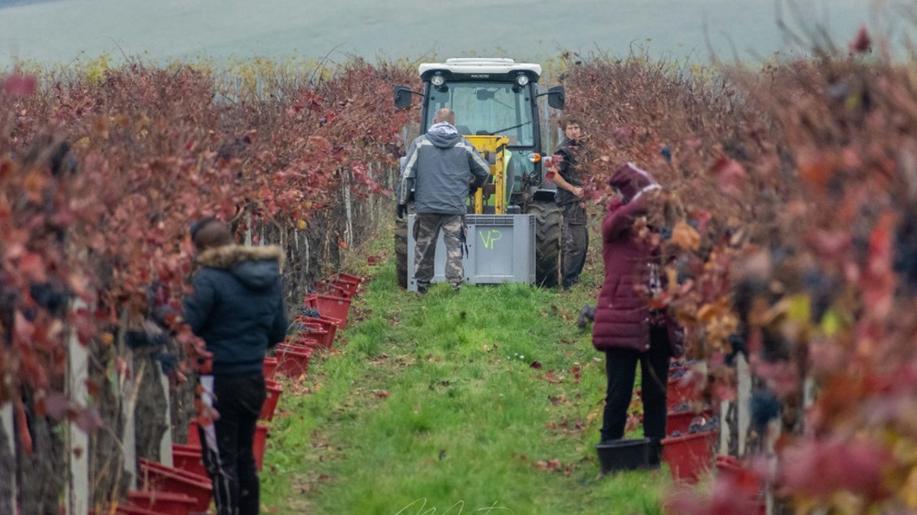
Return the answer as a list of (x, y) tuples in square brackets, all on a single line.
[(441, 166)]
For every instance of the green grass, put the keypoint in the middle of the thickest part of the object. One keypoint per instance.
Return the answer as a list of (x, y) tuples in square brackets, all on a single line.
[(432, 406)]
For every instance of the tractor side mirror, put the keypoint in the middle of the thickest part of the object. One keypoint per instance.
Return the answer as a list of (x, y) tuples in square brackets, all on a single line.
[(403, 97), (556, 97)]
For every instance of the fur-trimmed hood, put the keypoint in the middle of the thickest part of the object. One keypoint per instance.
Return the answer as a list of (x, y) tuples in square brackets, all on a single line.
[(256, 267)]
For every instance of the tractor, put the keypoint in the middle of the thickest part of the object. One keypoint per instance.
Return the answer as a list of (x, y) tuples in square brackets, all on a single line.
[(514, 225)]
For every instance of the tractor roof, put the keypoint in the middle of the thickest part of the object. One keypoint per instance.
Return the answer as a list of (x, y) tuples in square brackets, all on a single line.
[(480, 67)]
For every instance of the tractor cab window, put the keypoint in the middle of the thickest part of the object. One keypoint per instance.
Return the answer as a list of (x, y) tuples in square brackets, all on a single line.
[(487, 108)]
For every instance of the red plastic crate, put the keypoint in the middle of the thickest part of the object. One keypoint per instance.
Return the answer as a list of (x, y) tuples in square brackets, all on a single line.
[(689, 456), (259, 444), (319, 333), (680, 391), (167, 479), (270, 366), (143, 502), (350, 278), (292, 362), (329, 306), (328, 324), (194, 436), (351, 286), (345, 290), (270, 402), (744, 482), (301, 340), (188, 458), (680, 421), (325, 324), (334, 307), (131, 509)]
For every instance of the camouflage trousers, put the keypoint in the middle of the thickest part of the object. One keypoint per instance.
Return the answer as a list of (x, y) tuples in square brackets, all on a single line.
[(426, 232)]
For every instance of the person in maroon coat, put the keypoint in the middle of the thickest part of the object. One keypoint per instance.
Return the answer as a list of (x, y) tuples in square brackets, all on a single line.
[(625, 328)]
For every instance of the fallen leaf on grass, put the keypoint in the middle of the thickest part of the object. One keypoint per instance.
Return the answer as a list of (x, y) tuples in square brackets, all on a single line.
[(566, 426), (577, 372), (382, 394), (552, 378), (633, 422), (557, 399), (554, 466), (547, 465)]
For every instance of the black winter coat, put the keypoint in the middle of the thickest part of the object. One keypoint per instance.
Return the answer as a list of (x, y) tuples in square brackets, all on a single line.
[(237, 307)]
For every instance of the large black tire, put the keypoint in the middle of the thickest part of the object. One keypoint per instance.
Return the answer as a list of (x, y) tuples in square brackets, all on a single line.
[(401, 252), (549, 227)]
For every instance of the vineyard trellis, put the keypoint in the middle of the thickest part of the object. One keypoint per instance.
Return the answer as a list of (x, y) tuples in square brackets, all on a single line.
[(787, 219)]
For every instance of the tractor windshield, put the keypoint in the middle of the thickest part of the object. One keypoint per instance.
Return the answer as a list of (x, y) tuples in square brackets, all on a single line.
[(486, 108)]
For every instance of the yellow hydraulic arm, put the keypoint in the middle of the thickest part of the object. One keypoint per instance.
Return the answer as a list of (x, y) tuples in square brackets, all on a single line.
[(492, 149)]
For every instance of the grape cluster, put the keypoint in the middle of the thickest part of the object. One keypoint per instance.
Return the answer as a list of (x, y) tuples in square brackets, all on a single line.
[(309, 312), (700, 424), (764, 407), (678, 373), (906, 252), (703, 424)]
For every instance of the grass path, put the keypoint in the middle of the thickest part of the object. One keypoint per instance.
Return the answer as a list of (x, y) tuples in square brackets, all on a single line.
[(483, 401)]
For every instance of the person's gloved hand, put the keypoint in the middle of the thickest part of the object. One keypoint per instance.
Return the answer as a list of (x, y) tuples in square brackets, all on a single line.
[(402, 210)]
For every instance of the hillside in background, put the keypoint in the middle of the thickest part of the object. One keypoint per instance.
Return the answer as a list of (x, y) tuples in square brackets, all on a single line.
[(59, 31)]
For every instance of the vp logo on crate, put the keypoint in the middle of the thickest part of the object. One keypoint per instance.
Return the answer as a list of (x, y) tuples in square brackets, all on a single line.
[(500, 249), (490, 237)]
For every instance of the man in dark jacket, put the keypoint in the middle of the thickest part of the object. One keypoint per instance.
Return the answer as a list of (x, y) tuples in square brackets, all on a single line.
[(237, 308), (440, 167), (569, 180)]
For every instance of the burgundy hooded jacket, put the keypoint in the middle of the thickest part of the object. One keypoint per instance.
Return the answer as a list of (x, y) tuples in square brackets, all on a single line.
[(622, 316)]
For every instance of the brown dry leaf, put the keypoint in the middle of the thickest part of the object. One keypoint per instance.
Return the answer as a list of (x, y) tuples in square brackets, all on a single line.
[(548, 465), (558, 399), (685, 236), (552, 378)]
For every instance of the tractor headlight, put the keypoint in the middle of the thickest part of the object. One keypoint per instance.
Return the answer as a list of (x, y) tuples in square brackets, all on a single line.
[(522, 79), (438, 80)]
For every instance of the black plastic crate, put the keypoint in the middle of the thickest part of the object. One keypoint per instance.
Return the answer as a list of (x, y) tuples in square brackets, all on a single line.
[(627, 454)]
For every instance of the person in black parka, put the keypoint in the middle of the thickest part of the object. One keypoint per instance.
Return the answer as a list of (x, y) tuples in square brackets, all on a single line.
[(237, 308)]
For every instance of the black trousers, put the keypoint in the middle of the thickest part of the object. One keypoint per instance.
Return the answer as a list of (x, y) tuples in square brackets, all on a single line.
[(575, 244), (227, 444), (620, 367)]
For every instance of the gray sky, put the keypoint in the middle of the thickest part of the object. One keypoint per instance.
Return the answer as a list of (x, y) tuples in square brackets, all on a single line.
[(59, 31)]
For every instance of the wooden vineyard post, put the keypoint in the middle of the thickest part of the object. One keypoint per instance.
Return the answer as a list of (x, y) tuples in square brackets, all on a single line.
[(743, 416), (77, 439), (129, 391), (165, 445), (8, 505), (348, 208)]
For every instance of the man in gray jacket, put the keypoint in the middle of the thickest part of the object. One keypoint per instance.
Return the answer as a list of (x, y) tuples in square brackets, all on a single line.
[(440, 167)]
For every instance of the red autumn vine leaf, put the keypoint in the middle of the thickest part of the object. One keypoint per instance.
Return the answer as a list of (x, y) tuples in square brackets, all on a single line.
[(862, 43), (19, 85)]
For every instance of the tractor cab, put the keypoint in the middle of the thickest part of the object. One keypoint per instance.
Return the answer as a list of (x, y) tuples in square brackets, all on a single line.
[(497, 109)]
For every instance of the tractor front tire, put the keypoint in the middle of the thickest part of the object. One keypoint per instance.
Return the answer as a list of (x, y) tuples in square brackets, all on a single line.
[(401, 251), (549, 226)]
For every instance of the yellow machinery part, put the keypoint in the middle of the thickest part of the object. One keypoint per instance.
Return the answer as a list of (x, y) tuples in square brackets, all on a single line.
[(492, 149)]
